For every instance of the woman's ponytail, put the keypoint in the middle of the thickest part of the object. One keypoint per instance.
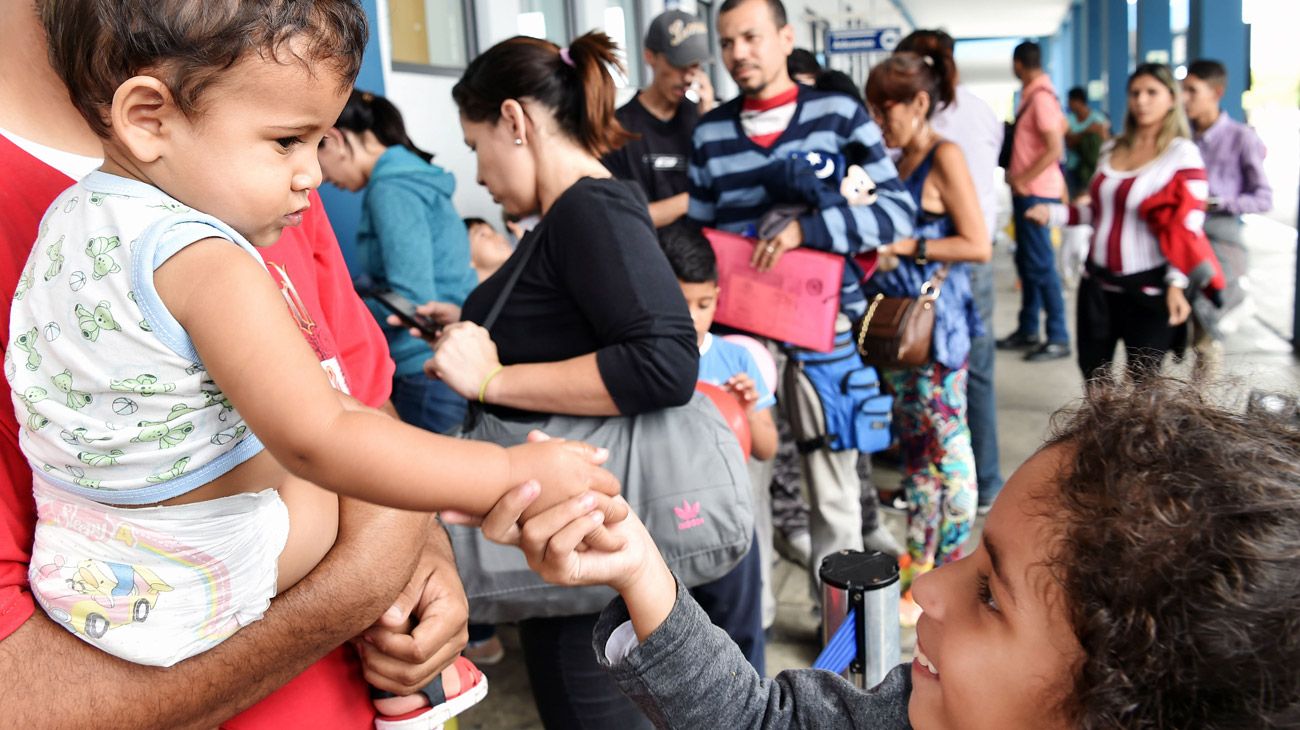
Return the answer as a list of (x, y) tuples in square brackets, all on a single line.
[(593, 55), (576, 83)]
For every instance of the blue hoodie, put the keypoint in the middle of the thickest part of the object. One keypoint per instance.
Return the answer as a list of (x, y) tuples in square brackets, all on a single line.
[(411, 239)]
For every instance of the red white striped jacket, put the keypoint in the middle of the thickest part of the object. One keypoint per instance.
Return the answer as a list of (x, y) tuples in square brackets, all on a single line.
[(1145, 218)]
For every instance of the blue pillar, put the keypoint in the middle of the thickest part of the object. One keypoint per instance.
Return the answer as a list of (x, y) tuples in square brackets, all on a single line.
[(1078, 42), (1116, 60), (1154, 37), (1216, 32), (1096, 36), (344, 208)]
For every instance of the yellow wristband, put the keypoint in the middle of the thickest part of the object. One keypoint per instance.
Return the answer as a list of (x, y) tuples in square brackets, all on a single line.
[(482, 389)]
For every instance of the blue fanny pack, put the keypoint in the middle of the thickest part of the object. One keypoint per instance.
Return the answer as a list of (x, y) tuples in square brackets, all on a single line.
[(856, 410)]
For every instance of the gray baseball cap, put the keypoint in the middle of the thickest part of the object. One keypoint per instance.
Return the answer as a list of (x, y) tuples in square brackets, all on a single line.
[(681, 37)]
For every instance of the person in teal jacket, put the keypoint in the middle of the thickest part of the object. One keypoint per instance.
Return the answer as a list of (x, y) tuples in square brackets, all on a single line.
[(410, 240)]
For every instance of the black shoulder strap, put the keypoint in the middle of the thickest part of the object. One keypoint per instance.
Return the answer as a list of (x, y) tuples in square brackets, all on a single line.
[(527, 245)]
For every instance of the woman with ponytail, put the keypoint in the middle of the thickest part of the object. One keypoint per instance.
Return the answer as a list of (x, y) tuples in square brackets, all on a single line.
[(930, 401), (410, 240), (595, 324)]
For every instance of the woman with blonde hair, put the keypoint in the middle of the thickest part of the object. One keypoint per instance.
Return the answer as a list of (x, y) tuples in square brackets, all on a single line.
[(1146, 204)]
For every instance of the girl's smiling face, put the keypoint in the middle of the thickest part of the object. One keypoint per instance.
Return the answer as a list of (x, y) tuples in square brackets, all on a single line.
[(994, 647)]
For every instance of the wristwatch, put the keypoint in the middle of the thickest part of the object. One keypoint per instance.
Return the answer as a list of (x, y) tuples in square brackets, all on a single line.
[(920, 252)]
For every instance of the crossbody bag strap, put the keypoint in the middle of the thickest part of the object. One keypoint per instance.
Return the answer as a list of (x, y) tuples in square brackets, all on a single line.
[(528, 245), (935, 284)]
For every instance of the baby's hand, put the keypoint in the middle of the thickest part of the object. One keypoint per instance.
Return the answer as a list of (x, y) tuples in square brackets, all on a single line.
[(743, 388), (562, 468)]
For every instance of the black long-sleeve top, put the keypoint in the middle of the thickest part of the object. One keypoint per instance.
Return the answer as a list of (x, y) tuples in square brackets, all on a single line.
[(597, 282)]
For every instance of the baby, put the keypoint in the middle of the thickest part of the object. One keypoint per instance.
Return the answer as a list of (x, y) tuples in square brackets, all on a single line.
[(176, 420)]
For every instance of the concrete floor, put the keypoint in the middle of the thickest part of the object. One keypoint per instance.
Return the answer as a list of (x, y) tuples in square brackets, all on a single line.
[(1257, 355)]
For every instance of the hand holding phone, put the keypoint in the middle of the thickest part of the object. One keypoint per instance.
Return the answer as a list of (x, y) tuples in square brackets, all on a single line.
[(405, 310)]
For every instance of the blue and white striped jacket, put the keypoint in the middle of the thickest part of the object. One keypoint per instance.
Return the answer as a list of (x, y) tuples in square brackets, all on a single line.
[(727, 172)]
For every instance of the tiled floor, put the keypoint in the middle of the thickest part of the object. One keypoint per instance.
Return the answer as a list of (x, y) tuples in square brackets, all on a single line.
[(1257, 356)]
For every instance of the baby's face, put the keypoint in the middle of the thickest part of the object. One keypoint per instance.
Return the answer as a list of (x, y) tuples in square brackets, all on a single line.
[(998, 648), (248, 156)]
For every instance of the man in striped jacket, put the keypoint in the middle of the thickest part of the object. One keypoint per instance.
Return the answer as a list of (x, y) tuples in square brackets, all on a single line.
[(737, 149)]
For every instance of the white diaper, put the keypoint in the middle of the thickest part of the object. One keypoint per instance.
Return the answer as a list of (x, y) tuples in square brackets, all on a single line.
[(156, 585)]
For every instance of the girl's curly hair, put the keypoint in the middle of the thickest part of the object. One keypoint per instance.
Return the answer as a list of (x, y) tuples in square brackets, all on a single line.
[(1180, 559)]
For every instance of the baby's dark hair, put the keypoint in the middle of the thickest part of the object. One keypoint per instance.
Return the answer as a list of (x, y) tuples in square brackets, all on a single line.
[(1180, 559), (369, 112), (689, 252), (472, 221), (96, 45)]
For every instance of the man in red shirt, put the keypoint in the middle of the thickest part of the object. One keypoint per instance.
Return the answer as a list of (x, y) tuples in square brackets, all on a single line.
[(298, 646)]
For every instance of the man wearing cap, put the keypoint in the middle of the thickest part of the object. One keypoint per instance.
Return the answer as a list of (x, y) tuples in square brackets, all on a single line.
[(676, 48)]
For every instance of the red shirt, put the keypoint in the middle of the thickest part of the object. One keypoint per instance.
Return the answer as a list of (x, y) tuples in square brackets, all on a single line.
[(331, 693)]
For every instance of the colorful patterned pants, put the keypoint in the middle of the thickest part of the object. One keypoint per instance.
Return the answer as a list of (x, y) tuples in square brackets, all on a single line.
[(938, 464)]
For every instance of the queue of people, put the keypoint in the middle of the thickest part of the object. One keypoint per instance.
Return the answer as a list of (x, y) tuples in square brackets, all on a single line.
[(170, 424)]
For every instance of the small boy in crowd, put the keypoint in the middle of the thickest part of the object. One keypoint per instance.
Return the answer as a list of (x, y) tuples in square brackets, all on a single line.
[(488, 249), (724, 364)]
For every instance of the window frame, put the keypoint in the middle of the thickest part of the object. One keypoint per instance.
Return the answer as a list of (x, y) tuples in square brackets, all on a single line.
[(469, 12)]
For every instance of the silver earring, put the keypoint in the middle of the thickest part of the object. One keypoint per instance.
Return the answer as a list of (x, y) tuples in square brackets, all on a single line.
[(518, 141)]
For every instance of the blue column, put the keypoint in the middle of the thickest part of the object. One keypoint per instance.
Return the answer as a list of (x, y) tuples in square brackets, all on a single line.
[(1079, 44), (1154, 37), (1096, 36), (344, 208), (1116, 60), (1216, 32)]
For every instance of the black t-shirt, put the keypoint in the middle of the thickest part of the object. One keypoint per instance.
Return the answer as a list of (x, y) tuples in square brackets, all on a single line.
[(598, 282), (657, 161)]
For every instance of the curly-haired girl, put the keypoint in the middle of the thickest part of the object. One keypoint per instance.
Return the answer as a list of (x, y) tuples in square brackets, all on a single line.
[(1142, 570)]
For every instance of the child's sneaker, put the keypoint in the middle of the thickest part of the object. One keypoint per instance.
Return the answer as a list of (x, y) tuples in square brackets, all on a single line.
[(473, 688), (485, 653)]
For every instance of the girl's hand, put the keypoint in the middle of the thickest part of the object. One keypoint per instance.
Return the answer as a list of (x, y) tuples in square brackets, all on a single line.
[(1039, 214), (1179, 308), (551, 540), (463, 357)]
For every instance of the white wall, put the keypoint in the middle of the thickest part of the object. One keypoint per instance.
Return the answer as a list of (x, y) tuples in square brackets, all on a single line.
[(434, 124)]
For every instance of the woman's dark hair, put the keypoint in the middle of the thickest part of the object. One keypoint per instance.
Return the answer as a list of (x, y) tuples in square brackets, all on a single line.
[(833, 80), (96, 45), (579, 90), (367, 112), (1179, 558), (1077, 93), (899, 78), (689, 253), (802, 61)]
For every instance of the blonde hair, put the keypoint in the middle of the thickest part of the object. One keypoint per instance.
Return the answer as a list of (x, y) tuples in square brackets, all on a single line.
[(1175, 123)]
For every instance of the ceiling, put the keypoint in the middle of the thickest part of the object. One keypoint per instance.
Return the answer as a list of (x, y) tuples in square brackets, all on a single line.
[(961, 18)]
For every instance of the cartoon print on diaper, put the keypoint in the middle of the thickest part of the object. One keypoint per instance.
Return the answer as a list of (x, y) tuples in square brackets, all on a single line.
[(77, 399), (52, 331), (143, 385), (99, 249), (98, 595), (178, 468), (77, 280), (163, 432), (30, 397), (92, 323), (71, 204), (55, 253), (10, 370), (27, 343), (144, 323)]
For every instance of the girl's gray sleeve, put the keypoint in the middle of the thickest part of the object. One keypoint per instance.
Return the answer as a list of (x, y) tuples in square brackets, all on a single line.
[(690, 674)]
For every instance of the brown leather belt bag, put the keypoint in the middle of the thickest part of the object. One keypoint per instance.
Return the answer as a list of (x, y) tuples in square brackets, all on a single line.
[(897, 332)]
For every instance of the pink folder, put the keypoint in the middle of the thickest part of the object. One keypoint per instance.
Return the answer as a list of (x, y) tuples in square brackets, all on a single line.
[(795, 302)]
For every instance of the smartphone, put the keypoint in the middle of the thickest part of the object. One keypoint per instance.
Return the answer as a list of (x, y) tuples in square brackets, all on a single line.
[(405, 310)]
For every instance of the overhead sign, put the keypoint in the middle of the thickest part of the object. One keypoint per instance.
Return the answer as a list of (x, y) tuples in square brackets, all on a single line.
[(862, 40)]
